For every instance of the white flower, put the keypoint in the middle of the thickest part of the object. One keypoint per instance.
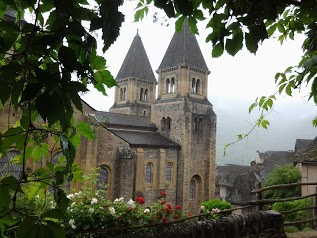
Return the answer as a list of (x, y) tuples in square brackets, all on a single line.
[(70, 196), (131, 203), (37, 196), (202, 209), (91, 210), (71, 222), (94, 200), (73, 226), (118, 200), (112, 210), (73, 204), (146, 210), (101, 208)]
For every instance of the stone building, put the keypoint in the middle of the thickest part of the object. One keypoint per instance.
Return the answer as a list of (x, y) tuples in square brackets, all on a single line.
[(149, 143)]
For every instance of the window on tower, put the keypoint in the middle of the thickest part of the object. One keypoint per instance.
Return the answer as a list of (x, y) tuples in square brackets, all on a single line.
[(141, 94), (103, 178), (169, 169), (168, 123), (148, 173), (192, 189), (163, 124), (172, 90), (168, 85), (193, 85), (145, 94), (197, 89)]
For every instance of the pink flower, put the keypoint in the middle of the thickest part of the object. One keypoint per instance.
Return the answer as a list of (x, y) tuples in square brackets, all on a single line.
[(215, 210), (163, 193), (177, 207)]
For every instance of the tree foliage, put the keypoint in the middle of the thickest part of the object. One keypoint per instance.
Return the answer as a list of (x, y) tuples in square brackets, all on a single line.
[(48, 61), (283, 175), (45, 64)]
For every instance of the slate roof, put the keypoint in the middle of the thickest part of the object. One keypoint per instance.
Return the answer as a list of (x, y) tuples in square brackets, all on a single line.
[(241, 190), (144, 138), (136, 63), (302, 145), (308, 155), (273, 158), (110, 118), (230, 172), (184, 50)]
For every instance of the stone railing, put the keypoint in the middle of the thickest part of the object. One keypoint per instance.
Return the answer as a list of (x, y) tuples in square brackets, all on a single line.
[(264, 224)]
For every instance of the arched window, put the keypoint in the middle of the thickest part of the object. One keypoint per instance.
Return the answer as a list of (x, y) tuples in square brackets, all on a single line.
[(168, 123), (172, 90), (200, 124), (6, 165), (195, 124), (163, 124), (148, 173), (103, 178), (192, 189), (193, 85), (145, 94), (121, 94), (141, 94), (124, 93), (197, 90), (169, 169), (168, 83)]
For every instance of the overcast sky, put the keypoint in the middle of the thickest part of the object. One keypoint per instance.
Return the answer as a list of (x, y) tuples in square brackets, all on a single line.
[(244, 76)]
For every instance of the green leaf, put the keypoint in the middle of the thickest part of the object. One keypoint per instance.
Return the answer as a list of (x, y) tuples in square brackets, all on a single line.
[(27, 228), (11, 183), (217, 51), (40, 151), (61, 200), (5, 198), (53, 213), (235, 44), (255, 104), (68, 58), (85, 130), (179, 23), (55, 229), (251, 43)]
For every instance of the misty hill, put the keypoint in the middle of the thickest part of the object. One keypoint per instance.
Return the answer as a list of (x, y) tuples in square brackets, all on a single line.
[(288, 122)]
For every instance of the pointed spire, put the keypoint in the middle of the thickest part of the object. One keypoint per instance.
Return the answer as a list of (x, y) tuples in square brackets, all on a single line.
[(136, 63), (184, 49)]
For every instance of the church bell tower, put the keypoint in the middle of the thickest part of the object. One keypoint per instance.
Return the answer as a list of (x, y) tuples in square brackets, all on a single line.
[(183, 113)]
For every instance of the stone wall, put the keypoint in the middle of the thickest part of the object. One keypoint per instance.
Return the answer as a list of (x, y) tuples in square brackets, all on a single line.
[(267, 224)]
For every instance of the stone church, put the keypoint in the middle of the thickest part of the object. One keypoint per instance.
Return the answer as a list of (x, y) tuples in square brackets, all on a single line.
[(149, 143)]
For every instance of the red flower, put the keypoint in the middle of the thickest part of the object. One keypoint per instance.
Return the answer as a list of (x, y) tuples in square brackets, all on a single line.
[(169, 207), (177, 207), (176, 217), (139, 200), (189, 214), (163, 193), (164, 220)]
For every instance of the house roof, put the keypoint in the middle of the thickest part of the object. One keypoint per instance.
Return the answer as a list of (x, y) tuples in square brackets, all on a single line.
[(308, 155), (273, 158), (144, 138), (230, 172), (184, 50), (136, 63), (124, 120), (302, 145), (240, 193)]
